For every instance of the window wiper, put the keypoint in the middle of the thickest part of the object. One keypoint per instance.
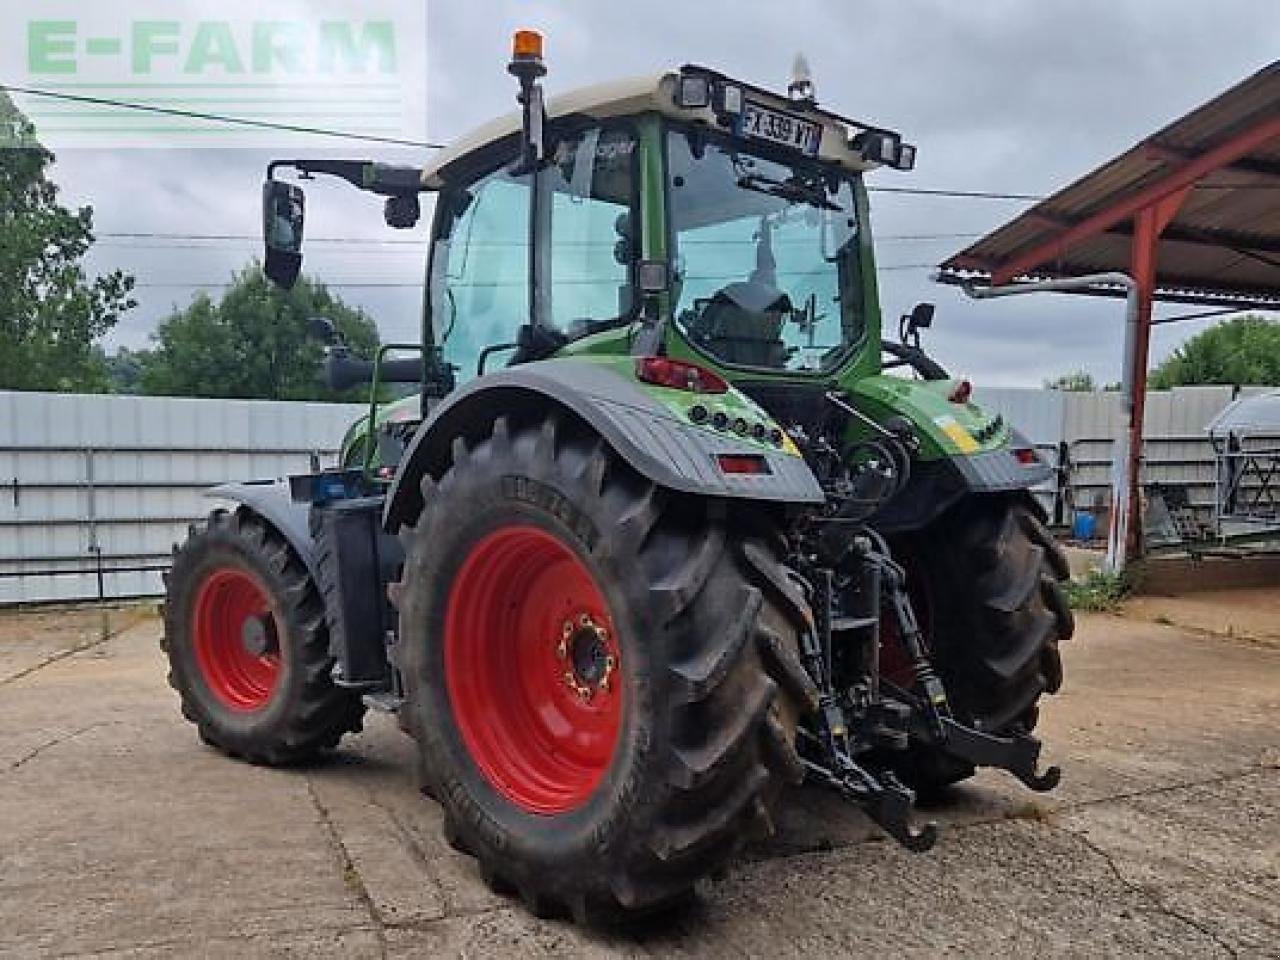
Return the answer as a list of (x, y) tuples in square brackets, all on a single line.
[(787, 190)]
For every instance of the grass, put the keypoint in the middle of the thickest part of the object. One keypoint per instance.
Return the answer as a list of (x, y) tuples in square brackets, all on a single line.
[(1098, 591)]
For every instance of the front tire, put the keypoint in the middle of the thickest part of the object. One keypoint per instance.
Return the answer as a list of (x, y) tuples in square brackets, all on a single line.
[(601, 678), (248, 647), (985, 580)]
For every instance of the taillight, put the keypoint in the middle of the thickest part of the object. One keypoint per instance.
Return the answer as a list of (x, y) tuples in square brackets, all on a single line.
[(961, 393), (1026, 456), (740, 463), (679, 375)]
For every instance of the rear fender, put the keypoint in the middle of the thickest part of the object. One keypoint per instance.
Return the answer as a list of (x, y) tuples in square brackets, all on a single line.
[(643, 431)]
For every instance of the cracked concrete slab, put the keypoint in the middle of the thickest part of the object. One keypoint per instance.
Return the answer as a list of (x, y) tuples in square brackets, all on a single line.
[(124, 836)]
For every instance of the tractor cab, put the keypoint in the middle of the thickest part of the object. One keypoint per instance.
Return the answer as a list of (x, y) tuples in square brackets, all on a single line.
[(685, 213)]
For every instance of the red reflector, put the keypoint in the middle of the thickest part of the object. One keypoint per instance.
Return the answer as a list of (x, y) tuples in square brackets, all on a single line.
[(679, 375), (1026, 456), (742, 463), (962, 392)]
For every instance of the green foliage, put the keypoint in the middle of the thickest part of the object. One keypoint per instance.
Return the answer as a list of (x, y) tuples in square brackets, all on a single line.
[(124, 370), (50, 311), (1241, 350), (1097, 591), (1077, 381), (253, 344)]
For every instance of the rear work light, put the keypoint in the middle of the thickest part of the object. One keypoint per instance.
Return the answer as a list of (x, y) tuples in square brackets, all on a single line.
[(679, 375), (743, 463)]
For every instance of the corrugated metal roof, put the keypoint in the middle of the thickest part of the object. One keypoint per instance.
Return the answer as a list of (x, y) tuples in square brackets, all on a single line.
[(1224, 241)]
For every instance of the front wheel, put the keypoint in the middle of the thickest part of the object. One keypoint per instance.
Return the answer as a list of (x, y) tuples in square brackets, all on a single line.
[(601, 678), (985, 581), (248, 647)]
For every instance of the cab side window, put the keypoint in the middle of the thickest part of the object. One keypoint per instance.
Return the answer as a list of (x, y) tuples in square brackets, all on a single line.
[(589, 188), (480, 270)]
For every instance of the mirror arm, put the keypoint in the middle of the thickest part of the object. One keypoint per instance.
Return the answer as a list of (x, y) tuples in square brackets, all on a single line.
[(381, 178)]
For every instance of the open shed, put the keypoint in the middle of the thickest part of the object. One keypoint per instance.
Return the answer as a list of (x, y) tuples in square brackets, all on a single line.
[(1191, 214)]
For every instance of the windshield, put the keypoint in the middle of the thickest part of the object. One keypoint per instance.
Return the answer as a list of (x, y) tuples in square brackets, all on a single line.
[(767, 270)]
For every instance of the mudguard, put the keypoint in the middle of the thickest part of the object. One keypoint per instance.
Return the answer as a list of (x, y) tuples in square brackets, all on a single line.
[(646, 433), (271, 500)]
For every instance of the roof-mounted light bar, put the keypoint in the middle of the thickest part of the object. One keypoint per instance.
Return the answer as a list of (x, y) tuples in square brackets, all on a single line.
[(884, 147), (699, 88)]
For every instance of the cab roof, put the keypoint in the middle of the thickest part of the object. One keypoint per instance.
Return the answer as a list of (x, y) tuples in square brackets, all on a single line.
[(653, 92)]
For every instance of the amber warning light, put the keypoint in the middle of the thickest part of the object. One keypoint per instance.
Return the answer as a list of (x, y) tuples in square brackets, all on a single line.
[(527, 45)]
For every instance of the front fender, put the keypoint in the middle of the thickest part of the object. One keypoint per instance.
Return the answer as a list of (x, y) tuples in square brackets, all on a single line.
[(641, 429), (271, 500)]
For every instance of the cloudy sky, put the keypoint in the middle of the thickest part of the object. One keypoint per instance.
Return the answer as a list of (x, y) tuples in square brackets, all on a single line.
[(1000, 95)]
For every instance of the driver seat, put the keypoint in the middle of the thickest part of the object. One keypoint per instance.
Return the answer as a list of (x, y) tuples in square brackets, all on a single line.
[(743, 326)]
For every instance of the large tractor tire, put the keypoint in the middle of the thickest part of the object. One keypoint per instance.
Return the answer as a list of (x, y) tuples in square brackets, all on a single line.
[(985, 581), (602, 679), (248, 647)]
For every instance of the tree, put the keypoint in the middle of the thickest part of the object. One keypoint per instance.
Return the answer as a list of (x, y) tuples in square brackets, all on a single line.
[(1078, 381), (50, 312), (124, 370), (253, 344), (1241, 350)]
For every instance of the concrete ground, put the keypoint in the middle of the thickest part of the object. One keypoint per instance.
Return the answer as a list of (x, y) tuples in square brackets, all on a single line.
[(121, 835)]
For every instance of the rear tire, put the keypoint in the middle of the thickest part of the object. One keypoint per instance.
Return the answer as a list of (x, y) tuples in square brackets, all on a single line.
[(700, 621), (237, 583), (987, 576)]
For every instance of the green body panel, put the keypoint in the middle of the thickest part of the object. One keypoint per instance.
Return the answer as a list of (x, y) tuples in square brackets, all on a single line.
[(945, 429)]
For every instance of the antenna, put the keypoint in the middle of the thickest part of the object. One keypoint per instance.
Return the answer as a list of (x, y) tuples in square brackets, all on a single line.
[(801, 89)]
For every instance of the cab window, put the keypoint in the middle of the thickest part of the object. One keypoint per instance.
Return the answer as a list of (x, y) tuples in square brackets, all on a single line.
[(480, 270)]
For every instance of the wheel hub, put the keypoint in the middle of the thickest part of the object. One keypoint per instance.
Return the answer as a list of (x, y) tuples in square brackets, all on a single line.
[(584, 646), (258, 636)]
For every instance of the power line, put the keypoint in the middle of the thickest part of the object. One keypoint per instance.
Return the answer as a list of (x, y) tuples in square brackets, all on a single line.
[(429, 145), (218, 118), (417, 285), (418, 243), (961, 194)]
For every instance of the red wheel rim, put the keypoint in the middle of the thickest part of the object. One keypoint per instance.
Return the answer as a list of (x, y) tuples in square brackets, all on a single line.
[(232, 607), (534, 670)]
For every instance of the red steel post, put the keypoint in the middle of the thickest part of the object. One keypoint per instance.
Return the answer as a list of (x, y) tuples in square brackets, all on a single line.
[(1149, 222)]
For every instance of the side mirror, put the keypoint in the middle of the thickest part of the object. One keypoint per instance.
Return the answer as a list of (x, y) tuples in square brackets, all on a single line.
[(283, 216), (921, 316)]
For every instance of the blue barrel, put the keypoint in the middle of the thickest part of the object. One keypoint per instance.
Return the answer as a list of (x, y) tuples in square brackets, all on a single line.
[(1084, 526)]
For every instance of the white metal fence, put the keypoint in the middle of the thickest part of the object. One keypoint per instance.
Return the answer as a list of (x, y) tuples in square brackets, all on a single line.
[(1076, 431), (95, 490)]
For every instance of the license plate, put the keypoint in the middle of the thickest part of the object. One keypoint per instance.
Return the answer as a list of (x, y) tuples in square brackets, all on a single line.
[(761, 123)]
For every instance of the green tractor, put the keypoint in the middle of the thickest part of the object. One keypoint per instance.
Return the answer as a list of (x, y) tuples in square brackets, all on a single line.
[(656, 534)]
